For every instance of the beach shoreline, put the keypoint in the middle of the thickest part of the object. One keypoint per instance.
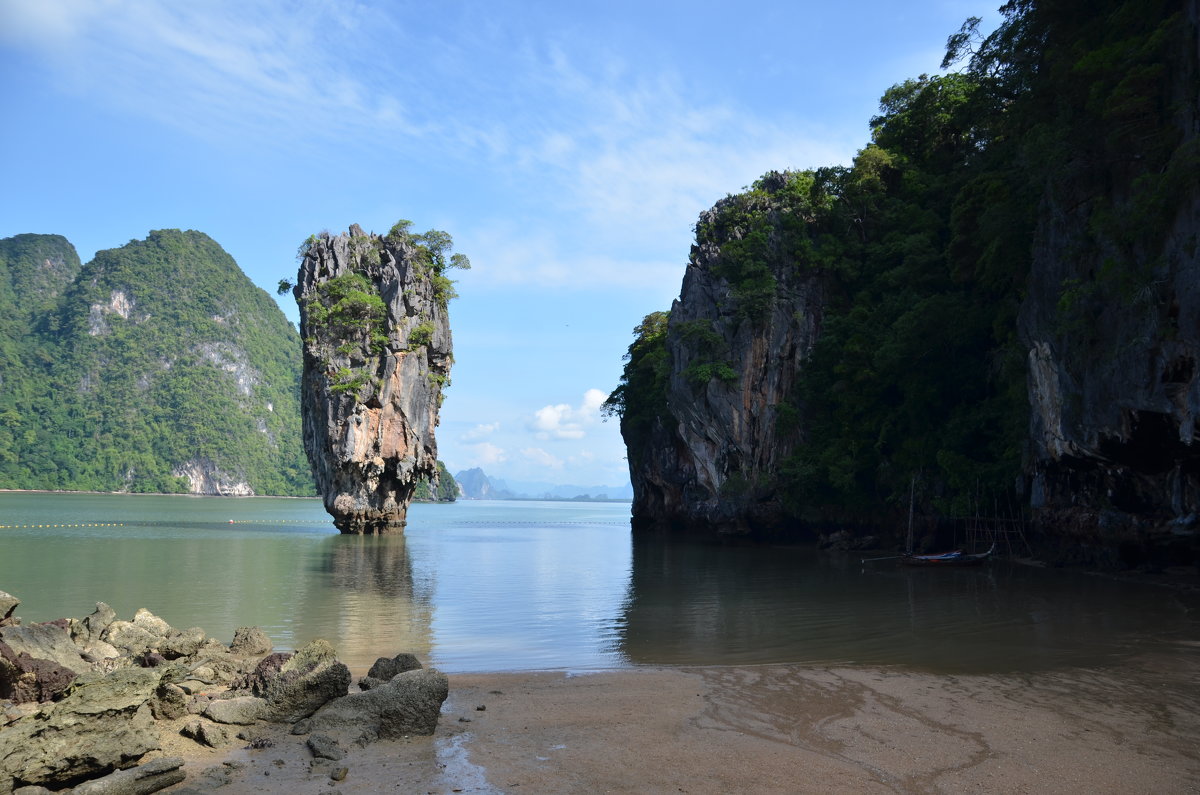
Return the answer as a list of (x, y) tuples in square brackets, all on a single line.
[(768, 729)]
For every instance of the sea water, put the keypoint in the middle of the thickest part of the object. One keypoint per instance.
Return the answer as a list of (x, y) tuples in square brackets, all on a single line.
[(526, 585)]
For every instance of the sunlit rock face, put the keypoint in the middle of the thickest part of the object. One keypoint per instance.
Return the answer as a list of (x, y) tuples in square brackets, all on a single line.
[(711, 462), (377, 352)]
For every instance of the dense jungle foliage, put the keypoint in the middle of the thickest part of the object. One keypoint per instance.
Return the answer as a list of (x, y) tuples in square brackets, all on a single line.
[(925, 244), (152, 356)]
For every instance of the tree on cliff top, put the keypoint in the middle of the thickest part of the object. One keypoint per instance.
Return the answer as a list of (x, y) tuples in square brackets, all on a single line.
[(434, 251)]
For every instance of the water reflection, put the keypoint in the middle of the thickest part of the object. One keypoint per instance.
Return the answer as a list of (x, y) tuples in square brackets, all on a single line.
[(693, 603), (501, 586), (525, 586), (368, 604)]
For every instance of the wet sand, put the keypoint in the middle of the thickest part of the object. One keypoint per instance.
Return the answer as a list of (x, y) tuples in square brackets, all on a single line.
[(768, 729)]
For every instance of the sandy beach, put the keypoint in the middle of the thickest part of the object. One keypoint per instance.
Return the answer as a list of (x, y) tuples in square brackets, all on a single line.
[(768, 729)]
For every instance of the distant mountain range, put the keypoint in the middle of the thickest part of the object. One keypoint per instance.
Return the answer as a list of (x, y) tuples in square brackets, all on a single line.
[(475, 484)]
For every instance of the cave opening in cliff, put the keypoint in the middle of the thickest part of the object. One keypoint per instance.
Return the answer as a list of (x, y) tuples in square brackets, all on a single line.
[(1152, 445), (1147, 465), (1180, 370)]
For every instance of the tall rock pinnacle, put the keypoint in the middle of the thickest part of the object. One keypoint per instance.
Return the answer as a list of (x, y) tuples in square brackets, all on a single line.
[(377, 353)]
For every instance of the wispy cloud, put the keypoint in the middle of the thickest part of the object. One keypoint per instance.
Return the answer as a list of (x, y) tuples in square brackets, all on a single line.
[(639, 154), (630, 159), (540, 457), (223, 70), (562, 421), (603, 166), (481, 431), (486, 454), (561, 256)]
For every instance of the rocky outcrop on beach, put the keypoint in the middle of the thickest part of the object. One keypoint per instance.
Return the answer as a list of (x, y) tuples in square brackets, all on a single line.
[(91, 703), (377, 353)]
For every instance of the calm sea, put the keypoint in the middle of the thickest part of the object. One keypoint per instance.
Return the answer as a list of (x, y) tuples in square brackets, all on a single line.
[(494, 586)]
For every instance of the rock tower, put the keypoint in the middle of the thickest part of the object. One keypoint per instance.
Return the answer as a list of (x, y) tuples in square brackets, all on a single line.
[(377, 353)]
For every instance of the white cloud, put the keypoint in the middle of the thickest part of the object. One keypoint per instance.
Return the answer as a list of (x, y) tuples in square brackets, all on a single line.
[(638, 154), (486, 453), (43, 25), (561, 421), (540, 457), (593, 399), (222, 69), (630, 158), (553, 422), (481, 431)]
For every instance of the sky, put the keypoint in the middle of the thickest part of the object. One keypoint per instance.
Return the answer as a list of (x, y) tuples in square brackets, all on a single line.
[(567, 146)]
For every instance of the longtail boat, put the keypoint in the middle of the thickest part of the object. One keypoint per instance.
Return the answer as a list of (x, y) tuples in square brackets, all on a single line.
[(955, 558)]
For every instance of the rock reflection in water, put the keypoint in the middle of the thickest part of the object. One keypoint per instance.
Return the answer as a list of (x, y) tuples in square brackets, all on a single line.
[(693, 603), (370, 605)]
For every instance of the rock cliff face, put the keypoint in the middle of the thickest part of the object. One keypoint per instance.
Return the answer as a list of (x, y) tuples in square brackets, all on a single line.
[(204, 477), (710, 459), (1112, 326), (1027, 227), (377, 352)]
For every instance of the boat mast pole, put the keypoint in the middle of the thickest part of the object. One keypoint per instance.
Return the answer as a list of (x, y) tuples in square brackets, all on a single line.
[(912, 492)]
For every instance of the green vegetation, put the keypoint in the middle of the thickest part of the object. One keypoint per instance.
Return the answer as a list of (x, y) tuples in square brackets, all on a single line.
[(926, 244), (154, 355), (347, 308), (345, 320), (34, 271), (346, 380), (445, 491), (701, 374), (640, 399), (434, 257), (421, 334)]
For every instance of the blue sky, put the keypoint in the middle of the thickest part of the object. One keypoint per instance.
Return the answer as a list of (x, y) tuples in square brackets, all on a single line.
[(567, 147)]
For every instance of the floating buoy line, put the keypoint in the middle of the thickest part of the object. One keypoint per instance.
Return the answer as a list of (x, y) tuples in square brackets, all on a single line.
[(94, 524), (310, 522), (164, 524)]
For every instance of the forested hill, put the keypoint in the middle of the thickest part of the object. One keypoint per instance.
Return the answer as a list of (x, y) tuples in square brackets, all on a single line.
[(995, 308), (156, 367)]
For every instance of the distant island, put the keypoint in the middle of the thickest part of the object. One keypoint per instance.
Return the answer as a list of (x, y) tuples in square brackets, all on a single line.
[(475, 484)]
